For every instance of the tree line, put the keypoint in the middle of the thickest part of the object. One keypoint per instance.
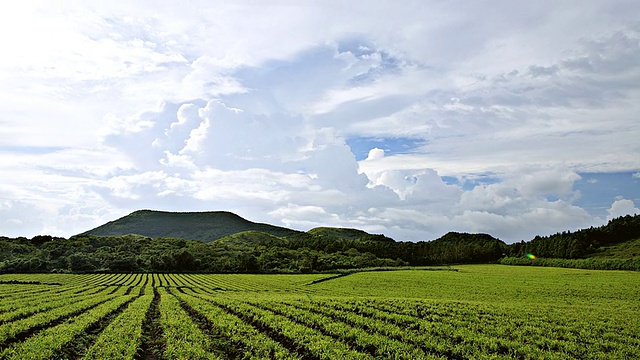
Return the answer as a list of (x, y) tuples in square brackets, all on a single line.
[(581, 243), (301, 253), (307, 252)]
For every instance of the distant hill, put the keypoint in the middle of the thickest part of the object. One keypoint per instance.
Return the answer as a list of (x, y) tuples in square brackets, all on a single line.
[(251, 238), (342, 233), (223, 242), (625, 250), (585, 243), (202, 226), (614, 246)]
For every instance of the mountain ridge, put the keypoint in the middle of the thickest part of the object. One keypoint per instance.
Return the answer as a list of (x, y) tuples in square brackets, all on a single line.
[(205, 226), (159, 241)]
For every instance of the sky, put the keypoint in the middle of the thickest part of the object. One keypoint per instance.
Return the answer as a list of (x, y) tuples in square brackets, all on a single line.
[(404, 118)]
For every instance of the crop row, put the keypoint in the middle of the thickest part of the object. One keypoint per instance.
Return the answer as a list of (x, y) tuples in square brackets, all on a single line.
[(24, 327), (218, 282), (233, 336), (167, 316), (98, 322), (22, 308), (337, 329), (53, 339), (459, 330)]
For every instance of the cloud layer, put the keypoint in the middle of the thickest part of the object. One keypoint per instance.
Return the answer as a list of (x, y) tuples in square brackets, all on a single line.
[(475, 118)]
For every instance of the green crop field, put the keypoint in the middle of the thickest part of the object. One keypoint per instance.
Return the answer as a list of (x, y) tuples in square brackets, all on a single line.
[(470, 312)]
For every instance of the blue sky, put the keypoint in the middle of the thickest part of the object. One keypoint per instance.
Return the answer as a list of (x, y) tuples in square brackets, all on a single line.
[(599, 190), (406, 118), (360, 146)]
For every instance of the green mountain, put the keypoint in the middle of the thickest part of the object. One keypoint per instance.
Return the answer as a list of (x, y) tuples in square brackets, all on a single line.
[(625, 250), (585, 243), (250, 238), (222, 242), (614, 246), (342, 233), (202, 226)]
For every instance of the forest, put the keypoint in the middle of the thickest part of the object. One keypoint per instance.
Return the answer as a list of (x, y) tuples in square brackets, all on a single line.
[(299, 252)]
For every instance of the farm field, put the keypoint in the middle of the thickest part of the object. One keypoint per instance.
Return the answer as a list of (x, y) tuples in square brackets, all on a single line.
[(474, 311)]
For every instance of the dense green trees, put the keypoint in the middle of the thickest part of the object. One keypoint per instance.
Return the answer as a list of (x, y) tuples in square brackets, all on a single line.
[(246, 253), (582, 243), (322, 249)]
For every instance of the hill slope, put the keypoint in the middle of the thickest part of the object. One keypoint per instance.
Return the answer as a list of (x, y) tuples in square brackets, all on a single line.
[(342, 233), (251, 238), (203, 226), (583, 243), (222, 242), (625, 250)]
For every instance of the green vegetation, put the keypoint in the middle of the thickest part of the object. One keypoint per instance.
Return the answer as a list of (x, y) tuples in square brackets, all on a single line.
[(478, 311), (615, 246), (244, 252), (202, 226), (582, 243), (235, 245), (625, 250), (121, 338), (54, 340), (183, 338), (251, 238), (593, 263), (341, 233)]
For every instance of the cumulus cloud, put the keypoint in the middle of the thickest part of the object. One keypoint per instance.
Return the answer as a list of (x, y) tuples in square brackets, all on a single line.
[(202, 108), (528, 114), (375, 154), (557, 183), (536, 200), (319, 184), (622, 207)]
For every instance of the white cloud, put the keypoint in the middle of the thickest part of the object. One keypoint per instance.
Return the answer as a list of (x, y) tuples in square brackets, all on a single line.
[(197, 137), (15, 216), (305, 216), (622, 207), (375, 154), (210, 77), (558, 183), (108, 109)]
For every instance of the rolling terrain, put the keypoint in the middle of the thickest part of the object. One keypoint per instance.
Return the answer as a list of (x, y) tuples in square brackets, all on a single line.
[(202, 226), (223, 242)]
